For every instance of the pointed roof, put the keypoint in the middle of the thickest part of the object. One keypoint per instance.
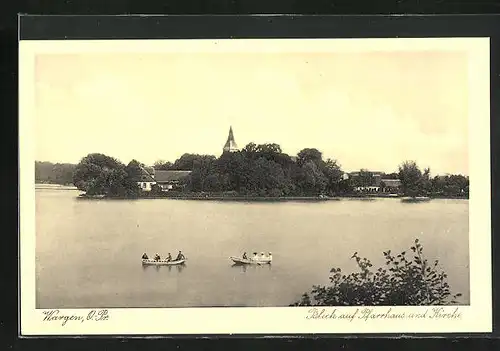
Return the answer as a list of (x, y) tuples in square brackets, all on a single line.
[(230, 143), (144, 176)]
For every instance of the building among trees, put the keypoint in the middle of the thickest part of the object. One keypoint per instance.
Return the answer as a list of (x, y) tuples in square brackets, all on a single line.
[(367, 181), (170, 180), (230, 145), (144, 177)]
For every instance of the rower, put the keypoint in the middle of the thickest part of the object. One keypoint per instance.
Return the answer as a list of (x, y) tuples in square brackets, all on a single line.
[(262, 256), (157, 257), (145, 256), (180, 256), (245, 256), (169, 257), (255, 257)]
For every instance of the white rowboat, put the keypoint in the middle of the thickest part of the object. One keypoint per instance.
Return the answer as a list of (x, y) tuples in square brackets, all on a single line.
[(162, 262), (239, 260)]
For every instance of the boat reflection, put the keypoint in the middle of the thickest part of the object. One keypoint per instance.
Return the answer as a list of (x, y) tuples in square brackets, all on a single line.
[(179, 268), (245, 267)]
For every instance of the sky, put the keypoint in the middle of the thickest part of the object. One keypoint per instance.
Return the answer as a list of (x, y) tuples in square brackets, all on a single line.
[(369, 110)]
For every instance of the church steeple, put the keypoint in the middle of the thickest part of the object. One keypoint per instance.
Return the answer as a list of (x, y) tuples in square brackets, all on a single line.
[(230, 145)]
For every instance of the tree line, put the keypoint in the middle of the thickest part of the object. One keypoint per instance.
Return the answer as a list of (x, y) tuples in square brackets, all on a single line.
[(261, 170), (415, 182), (256, 170), (54, 173), (264, 170)]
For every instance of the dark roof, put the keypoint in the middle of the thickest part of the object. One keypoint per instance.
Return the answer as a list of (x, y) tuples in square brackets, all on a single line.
[(391, 182), (144, 177), (170, 176), (150, 170)]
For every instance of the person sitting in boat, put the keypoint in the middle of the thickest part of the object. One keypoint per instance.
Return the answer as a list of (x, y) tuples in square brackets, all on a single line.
[(270, 257), (180, 256), (157, 257), (255, 257), (262, 256), (245, 256), (145, 256), (169, 257)]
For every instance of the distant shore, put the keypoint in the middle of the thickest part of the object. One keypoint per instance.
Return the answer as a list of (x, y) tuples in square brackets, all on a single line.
[(241, 198), (55, 186)]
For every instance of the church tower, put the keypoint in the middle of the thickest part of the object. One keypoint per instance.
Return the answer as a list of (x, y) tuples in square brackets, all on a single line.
[(230, 145)]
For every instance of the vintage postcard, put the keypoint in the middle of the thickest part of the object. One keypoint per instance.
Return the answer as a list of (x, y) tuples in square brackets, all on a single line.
[(255, 186)]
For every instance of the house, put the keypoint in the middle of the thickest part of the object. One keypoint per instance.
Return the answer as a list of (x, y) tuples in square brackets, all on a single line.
[(390, 185), (379, 182), (376, 177), (168, 180), (146, 179)]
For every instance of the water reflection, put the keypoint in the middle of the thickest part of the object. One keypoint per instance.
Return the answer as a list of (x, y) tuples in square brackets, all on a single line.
[(179, 268), (245, 267)]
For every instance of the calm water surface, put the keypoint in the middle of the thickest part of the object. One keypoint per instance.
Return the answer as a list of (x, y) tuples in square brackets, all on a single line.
[(88, 252)]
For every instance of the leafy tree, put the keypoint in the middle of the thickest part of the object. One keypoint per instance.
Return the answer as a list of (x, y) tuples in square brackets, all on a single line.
[(162, 165), (346, 186), (364, 178), (249, 150), (266, 149), (313, 180), (402, 281), (134, 170), (235, 168), (99, 174), (309, 154), (411, 178), (90, 174), (333, 175), (213, 182), (186, 161), (203, 166), (455, 185), (267, 176), (426, 183)]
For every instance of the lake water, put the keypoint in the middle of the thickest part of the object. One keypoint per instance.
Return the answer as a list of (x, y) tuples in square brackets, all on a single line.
[(88, 252)]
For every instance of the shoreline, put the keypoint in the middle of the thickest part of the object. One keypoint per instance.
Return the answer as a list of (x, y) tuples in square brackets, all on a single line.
[(52, 186), (270, 199)]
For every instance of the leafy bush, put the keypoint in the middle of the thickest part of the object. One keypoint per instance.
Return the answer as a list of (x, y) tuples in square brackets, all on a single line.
[(403, 281)]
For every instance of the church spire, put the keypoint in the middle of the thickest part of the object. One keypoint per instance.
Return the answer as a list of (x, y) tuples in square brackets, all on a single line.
[(230, 145)]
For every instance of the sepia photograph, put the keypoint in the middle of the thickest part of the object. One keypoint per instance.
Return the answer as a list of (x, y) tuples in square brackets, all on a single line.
[(301, 175)]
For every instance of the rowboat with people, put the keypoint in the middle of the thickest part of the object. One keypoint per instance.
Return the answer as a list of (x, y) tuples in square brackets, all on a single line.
[(162, 262), (255, 259), (168, 261)]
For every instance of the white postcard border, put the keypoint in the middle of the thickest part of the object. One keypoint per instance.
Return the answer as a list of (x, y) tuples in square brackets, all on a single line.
[(474, 318)]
